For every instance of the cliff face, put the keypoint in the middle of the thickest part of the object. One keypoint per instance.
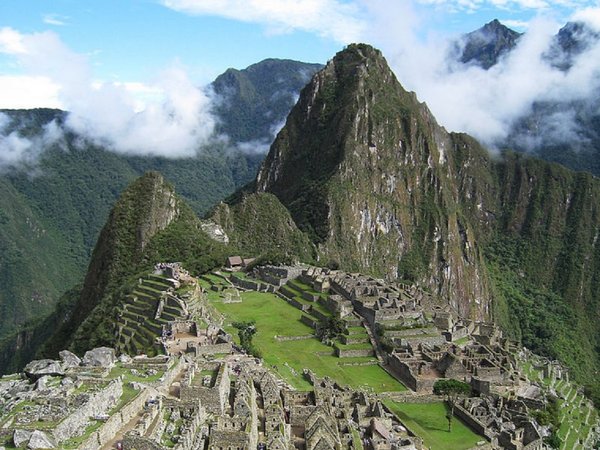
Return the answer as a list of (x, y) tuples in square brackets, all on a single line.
[(367, 172)]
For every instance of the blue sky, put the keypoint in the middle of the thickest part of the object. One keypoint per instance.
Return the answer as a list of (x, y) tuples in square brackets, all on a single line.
[(133, 40), (126, 68)]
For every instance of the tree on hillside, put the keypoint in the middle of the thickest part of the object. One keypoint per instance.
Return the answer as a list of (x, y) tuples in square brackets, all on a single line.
[(330, 328), (246, 331), (452, 390)]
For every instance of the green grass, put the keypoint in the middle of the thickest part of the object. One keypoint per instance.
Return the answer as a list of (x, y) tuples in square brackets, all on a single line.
[(273, 316), (128, 376), (357, 330), (356, 441), (358, 346), (298, 285), (463, 340), (428, 421)]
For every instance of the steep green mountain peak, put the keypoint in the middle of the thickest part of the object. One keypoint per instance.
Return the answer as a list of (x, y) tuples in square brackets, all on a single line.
[(369, 175), (145, 208), (488, 44)]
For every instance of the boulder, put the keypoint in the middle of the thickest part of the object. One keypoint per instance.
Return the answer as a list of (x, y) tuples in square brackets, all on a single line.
[(66, 381), (20, 437), (99, 357), (69, 359), (39, 440), (124, 358), (39, 368), (42, 383)]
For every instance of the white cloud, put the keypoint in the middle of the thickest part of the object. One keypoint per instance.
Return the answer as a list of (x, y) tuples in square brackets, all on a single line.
[(516, 24), (509, 5), (483, 103), (169, 117), (26, 92), (55, 19), (335, 19), (16, 151), (590, 16), (11, 41)]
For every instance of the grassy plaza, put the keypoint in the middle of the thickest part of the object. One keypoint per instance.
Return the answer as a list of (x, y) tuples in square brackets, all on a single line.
[(275, 318)]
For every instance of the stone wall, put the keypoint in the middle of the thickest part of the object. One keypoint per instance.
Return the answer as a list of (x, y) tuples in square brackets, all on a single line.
[(477, 426), (306, 320), (131, 441), (245, 284), (411, 397), (353, 339), (480, 386), (183, 326), (212, 349), (98, 403), (310, 297), (295, 303), (110, 428), (493, 374), (459, 333), (388, 314), (190, 438), (299, 414), (212, 398), (278, 276), (170, 375), (430, 340), (402, 371), (158, 363), (341, 353), (294, 338)]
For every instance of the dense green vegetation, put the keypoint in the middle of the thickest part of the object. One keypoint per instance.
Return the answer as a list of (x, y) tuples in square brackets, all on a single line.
[(35, 261), (545, 265), (51, 212), (512, 228), (50, 219), (260, 226), (255, 99)]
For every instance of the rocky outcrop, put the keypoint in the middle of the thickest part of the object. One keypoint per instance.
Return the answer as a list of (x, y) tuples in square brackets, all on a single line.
[(99, 357), (39, 440), (43, 367), (381, 188), (68, 359)]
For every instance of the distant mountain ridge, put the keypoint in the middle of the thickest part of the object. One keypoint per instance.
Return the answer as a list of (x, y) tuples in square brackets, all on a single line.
[(486, 45), (255, 101), (562, 131), (51, 213)]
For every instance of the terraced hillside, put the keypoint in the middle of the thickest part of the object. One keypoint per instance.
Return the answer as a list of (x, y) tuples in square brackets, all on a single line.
[(144, 313)]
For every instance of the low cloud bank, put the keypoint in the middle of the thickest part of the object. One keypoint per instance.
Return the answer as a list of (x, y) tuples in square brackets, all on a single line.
[(489, 103), (170, 117)]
